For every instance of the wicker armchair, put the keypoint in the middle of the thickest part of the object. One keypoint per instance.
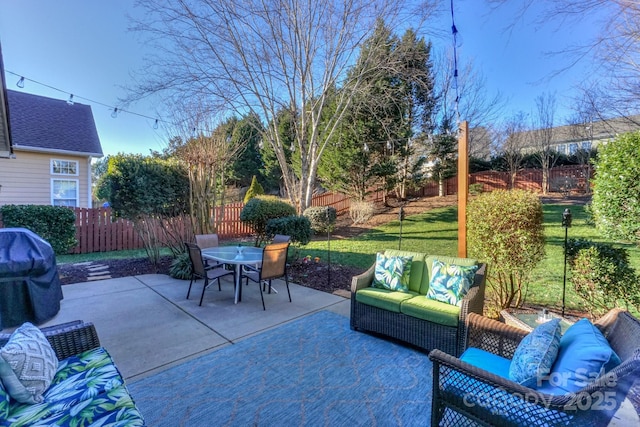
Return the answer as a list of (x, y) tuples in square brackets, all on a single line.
[(464, 394)]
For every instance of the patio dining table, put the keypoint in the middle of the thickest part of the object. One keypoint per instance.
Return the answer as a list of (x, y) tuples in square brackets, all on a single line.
[(238, 256)]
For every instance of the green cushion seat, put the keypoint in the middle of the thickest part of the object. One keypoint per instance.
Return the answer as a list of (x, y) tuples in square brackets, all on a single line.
[(434, 311), (383, 298)]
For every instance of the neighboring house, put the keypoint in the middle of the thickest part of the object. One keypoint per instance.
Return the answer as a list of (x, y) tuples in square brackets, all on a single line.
[(569, 139), (53, 144)]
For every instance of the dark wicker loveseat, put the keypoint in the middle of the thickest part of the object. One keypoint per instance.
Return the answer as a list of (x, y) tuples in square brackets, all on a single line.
[(464, 394), (428, 331)]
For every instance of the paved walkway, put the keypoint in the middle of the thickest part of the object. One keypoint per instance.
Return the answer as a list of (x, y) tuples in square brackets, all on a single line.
[(147, 324)]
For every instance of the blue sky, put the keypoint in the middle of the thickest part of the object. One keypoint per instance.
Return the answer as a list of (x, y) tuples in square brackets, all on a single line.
[(85, 48)]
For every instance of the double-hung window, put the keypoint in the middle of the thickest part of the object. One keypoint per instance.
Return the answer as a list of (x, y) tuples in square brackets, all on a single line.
[(64, 189)]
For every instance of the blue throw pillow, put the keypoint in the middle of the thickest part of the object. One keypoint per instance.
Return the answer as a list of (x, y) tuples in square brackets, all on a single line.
[(535, 354), (584, 354), (392, 272), (449, 282)]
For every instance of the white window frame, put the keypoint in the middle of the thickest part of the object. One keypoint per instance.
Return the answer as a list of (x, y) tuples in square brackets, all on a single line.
[(62, 173), (573, 148), (585, 145), (561, 148), (77, 200)]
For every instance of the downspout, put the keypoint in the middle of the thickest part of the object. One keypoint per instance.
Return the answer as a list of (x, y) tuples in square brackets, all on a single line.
[(89, 195)]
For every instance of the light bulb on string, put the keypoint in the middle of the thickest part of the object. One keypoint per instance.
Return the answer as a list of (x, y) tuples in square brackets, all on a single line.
[(114, 113), (70, 100), (20, 83), (155, 125)]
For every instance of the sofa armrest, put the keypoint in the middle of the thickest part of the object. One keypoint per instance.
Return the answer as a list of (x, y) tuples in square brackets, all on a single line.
[(493, 336), (363, 280), (67, 339)]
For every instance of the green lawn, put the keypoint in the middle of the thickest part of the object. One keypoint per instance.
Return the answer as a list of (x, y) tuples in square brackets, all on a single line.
[(436, 232)]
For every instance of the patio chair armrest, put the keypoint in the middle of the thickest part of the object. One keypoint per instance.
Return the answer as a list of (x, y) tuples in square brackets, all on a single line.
[(362, 280), (67, 339), (493, 336)]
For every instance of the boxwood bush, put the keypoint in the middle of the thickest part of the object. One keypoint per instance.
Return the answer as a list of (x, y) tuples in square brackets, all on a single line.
[(322, 218), (602, 276), (260, 209), (297, 227), (55, 224)]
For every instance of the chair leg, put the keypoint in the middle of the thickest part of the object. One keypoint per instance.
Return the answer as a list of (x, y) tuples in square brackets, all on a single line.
[(286, 280), (189, 291), (206, 284), (261, 295), (219, 288)]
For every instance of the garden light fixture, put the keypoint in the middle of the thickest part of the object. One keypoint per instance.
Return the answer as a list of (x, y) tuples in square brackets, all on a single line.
[(566, 223)]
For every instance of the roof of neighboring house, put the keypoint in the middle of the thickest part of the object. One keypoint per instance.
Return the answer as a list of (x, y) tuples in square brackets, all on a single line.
[(6, 149), (45, 124)]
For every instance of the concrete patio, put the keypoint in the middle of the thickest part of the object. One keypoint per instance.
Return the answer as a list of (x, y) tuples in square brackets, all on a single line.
[(147, 324)]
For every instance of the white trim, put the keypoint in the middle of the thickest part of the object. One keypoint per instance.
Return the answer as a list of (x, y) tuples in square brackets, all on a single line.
[(52, 160), (63, 179), (56, 151)]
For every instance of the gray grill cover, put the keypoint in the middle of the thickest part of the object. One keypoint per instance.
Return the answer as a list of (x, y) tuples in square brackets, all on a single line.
[(30, 289)]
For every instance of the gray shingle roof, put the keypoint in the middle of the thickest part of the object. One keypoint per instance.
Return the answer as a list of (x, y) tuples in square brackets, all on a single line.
[(43, 123)]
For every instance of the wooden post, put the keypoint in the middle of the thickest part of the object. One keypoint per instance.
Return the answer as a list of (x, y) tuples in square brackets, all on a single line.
[(463, 187)]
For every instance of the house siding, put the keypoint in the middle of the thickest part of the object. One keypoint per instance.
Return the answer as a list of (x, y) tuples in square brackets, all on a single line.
[(27, 179)]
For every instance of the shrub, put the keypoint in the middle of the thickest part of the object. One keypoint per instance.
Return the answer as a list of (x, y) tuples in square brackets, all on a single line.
[(260, 209), (602, 276), (475, 189), (322, 218), (297, 227), (616, 192), (255, 189), (55, 224), (504, 229), (361, 212), (181, 267)]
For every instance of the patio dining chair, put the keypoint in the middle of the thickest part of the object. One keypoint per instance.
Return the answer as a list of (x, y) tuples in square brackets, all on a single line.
[(273, 266), (205, 241), (281, 238), (199, 271)]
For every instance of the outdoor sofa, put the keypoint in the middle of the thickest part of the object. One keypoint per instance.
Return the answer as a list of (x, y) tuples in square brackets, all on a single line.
[(410, 316), (87, 388), (587, 385)]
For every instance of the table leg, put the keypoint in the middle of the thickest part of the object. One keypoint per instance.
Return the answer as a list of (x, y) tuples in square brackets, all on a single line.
[(237, 279)]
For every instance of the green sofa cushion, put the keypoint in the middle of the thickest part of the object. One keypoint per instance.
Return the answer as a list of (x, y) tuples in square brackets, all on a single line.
[(417, 267), (426, 277), (383, 298), (433, 311)]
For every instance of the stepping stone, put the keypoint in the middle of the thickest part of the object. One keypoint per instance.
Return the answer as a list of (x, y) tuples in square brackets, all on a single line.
[(91, 278), (98, 268), (80, 264)]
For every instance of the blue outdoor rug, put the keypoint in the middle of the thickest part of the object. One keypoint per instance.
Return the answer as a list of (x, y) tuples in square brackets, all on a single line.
[(315, 371)]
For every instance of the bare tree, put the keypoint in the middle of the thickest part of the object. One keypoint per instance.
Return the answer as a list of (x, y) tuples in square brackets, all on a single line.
[(543, 123), (511, 140), (614, 49), (269, 56)]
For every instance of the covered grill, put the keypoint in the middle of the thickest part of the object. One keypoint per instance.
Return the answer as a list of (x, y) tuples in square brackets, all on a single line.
[(30, 289)]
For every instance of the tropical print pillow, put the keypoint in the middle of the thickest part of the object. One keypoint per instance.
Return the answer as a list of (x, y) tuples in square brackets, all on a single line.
[(392, 272), (449, 282)]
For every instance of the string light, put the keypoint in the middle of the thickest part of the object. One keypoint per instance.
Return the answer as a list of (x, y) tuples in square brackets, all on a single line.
[(72, 98), (454, 32)]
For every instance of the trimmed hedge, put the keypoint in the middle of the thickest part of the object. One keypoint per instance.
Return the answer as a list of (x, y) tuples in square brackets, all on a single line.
[(55, 224), (297, 227), (260, 209)]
